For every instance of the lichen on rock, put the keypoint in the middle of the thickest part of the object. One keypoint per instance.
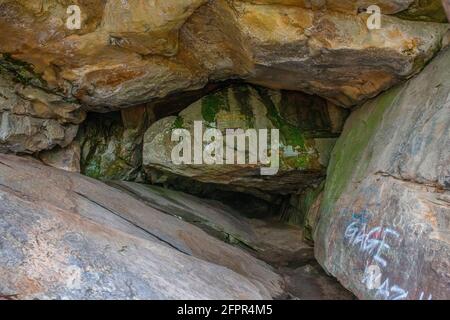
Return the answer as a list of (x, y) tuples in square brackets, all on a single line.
[(111, 145)]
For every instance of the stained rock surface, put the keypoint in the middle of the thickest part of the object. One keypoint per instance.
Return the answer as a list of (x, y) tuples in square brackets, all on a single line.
[(387, 6), (384, 223), (111, 144), (380, 222), (125, 53)]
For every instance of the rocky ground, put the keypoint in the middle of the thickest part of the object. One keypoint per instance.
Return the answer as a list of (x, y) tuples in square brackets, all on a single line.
[(75, 237)]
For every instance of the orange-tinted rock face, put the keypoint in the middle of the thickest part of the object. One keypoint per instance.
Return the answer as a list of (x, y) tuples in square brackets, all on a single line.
[(131, 52)]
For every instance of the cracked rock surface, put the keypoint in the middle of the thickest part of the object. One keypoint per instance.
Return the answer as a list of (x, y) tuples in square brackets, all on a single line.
[(33, 120)]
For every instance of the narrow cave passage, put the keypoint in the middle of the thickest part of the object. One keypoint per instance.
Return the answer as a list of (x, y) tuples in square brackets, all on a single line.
[(273, 218), (224, 149)]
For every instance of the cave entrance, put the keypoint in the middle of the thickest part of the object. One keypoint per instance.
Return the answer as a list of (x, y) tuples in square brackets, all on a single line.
[(271, 217)]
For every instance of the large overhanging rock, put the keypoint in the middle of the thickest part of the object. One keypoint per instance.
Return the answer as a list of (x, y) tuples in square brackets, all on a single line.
[(429, 10), (127, 53), (147, 27), (308, 127), (349, 6), (333, 55), (65, 236), (384, 228), (33, 120)]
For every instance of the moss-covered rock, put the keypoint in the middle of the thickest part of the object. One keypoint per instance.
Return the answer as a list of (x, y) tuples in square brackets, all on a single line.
[(308, 127), (383, 229), (302, 209), (111, 146)]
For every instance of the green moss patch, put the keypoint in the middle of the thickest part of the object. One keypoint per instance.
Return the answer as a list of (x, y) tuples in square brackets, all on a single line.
[(425, 10), (351, 147)]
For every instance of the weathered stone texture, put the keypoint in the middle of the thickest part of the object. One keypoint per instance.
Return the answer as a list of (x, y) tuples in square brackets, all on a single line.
[(307, 134), (133, 52), (33, 120), (65, 236), (386, 209)]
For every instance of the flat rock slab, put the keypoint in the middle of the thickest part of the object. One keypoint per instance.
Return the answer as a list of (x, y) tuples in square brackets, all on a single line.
[(212, 216), (280, 245), (270, 240), (67, 236)]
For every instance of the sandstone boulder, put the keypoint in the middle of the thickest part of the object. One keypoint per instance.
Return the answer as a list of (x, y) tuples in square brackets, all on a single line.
[(430, 10), (349, 6), (67, 158), (307, 125), (67, 236), (384, 226), (147, 27)]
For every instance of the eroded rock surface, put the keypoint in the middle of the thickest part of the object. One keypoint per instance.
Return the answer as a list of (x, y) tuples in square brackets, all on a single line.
[(385, 213), (67, 158), (76, 238), (270, 240), (111, 144), (33, 120), (130, 52)]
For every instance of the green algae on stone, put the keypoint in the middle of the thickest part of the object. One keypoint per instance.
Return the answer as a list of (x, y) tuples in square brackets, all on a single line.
[(108, 150), (351, 146), (178, 123), (23, 72), (250, 107), (425, 10), (212, 104), (300, 205), (389, 170), (302, 209), (291, 135)]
